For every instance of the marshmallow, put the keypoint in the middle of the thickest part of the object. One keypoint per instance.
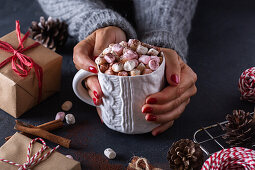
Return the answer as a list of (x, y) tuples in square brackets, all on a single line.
[(100, 61), (130, 65), (153, 64), (123, 73), (130, 54), (103, 67), (67, 105), (118, 49), (145, 59), (111, 45), (117, 67), (147, 71), (69, 156), (107, 50), (60, 116), (141, 49), (109, 72), (141, 67), (135, 72), (133, 43), (70, 119), (123, 43), (110, 58), (152, 51), (109, 153), (156, 58)]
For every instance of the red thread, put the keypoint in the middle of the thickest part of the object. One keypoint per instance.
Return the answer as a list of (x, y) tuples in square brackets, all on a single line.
[(22, 64), (246, 85), (232, 158)]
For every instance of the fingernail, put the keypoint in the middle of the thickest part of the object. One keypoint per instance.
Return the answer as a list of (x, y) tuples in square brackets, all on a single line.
[(175, 78), (95, 101), (151, 118), (95, 94), (92, 69), (152, 101), (147, 110)]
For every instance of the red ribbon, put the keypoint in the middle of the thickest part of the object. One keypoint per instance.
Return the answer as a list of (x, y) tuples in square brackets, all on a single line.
[(21, 63)]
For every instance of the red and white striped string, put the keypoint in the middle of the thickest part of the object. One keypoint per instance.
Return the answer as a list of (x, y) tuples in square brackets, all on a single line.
[(35, 159), (236, 158), (247, 85)]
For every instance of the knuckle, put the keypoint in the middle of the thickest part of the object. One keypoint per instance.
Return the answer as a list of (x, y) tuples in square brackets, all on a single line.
[(179, 91), (194, 77), (177, 102)]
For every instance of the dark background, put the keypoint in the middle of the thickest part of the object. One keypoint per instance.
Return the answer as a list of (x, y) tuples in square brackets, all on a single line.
[(222, 42)]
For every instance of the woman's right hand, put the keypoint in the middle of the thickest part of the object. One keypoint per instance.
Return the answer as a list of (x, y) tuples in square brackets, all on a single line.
[(85, 51)]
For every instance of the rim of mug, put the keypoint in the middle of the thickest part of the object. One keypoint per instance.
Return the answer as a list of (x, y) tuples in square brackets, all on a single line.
[(154, 72)]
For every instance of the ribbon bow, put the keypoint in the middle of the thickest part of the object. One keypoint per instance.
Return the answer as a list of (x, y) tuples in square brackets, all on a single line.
[(21, 63), (35, 159)]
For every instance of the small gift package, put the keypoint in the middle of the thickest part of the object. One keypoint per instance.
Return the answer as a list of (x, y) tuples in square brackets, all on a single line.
[(21, 152), (29, 72)]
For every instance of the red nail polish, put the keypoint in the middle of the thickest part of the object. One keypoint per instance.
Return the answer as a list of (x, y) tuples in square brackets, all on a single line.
[(95, 94), (95, 101), (152, 101), (175, 78), (92, 69), (151, 118), (147, 110)]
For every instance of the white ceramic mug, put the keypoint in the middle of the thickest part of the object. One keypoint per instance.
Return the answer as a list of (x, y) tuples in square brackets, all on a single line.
[(123, 98)]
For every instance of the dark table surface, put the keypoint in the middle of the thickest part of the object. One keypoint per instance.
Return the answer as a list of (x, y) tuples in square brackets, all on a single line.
[(221, 46)]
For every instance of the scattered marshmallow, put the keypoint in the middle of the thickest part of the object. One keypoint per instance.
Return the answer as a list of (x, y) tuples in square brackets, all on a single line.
[(70, 119), (67, 105), (60, 116), (69, 156), (109, 153), (152, 51)]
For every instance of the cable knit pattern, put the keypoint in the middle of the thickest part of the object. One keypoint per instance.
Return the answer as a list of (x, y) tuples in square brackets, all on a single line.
[(165, 23), (85, 16)]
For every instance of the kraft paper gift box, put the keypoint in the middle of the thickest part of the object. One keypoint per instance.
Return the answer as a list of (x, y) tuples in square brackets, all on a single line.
[(19, 94), (15, 150)]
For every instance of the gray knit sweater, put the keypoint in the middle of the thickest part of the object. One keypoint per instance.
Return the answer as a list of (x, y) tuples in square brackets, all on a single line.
[(164, 23)]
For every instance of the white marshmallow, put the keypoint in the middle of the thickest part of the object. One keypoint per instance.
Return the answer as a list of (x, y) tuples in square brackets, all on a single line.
[(117, 67), (107, 50), (129, 65), (152, 51), (109, 153), (141, 49), (135, 72), (70, 119), (100, 61)]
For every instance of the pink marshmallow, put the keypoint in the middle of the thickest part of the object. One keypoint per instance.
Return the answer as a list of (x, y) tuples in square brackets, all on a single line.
[(153, 64), (145, 59), (110, 58), (117, 48), (156, 58), (129, 55), (60, 116)]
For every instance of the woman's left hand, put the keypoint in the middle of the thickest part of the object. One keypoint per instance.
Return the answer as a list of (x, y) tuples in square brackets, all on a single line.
[(167, 105)]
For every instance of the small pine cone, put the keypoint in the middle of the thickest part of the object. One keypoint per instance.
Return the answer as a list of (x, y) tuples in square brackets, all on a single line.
[(51, 33), (240, 129), (185, 155)]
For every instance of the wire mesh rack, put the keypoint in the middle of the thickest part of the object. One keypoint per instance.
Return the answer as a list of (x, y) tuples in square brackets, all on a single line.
[(210, 138)]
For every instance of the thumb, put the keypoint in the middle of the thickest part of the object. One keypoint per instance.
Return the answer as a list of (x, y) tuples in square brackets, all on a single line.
[(173, 68)]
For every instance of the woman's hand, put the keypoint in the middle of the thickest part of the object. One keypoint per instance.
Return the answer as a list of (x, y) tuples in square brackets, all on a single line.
[(86, 50), (167, 105)]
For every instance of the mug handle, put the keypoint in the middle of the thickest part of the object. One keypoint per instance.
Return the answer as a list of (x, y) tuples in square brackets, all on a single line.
[(78, 89)]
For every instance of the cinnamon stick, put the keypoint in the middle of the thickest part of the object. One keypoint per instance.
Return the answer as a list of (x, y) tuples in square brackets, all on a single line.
[(33, 130), (49, 126)]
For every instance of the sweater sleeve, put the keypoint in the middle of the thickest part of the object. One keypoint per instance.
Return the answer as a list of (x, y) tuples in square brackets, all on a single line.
[(85, 16), (165, 23)]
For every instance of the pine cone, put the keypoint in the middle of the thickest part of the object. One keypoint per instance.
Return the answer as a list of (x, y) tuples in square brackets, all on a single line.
[(240, 129), (51, 33), (184, 155)]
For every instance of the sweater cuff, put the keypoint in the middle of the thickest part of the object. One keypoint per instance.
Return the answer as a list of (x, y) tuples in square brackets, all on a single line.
[(104, 18), (167, 39)]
